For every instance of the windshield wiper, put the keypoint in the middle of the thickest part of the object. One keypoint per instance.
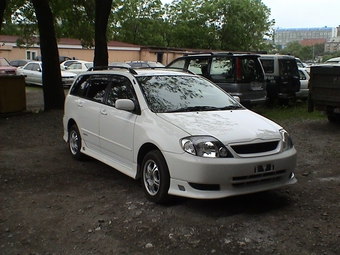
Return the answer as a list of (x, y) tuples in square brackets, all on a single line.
[(231, 107), (195, 108)]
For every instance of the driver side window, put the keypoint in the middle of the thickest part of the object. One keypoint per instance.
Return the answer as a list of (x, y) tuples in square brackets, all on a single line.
[(120, 89)]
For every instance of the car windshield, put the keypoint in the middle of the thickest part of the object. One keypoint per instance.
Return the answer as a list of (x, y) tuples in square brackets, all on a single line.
[(4, 62), (176, 93), (89, 65)]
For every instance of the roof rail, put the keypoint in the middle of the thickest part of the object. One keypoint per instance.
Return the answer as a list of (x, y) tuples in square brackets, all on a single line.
[(98, 68), (179, 69), (223, 53)]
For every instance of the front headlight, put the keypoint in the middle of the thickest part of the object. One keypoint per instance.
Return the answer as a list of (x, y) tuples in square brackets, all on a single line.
[(287, 142), (205, 146)]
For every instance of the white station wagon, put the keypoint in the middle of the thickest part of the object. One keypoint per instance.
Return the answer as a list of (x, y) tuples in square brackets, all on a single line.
[(178, 132)]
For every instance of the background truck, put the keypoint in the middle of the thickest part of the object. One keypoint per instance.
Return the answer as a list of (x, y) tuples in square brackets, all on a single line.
[(324, 91)]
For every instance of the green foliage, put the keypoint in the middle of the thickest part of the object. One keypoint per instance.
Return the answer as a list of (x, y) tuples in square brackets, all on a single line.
[(242, 24), (330, 55), (138, 22), (295, 110), (238, 25), (303, 52)]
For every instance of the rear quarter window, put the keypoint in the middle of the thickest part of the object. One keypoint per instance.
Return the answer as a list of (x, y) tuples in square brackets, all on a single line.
[(80, 86)]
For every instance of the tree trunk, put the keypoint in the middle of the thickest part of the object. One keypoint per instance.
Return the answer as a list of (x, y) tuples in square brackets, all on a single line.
[(2, 10), (103, 9), (52, 86)]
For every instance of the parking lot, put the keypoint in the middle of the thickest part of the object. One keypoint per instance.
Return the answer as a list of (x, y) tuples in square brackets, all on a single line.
[(52, 204)]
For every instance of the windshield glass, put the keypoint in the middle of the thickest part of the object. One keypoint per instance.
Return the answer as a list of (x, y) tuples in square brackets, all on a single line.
[(176, 93), (3, 62)]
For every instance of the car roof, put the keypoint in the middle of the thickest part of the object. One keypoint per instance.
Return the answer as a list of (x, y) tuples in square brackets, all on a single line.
[(80, 61), (33, 61), (333, 60), (189, 55), (276, 56), (148, 71)]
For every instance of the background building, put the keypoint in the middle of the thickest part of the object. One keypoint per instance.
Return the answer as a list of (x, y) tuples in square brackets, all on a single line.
[(283, 36)]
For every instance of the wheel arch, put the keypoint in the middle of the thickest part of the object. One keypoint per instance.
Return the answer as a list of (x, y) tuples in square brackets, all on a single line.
[(141, 154), (70, 123)]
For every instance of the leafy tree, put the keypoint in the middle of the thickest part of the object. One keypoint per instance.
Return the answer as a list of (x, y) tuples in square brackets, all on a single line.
[(138, 22), (303, 52), (2, 10), (329, 55), (242, 24)]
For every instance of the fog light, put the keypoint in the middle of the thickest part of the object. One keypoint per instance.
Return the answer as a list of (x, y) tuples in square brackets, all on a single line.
[(291, 176)]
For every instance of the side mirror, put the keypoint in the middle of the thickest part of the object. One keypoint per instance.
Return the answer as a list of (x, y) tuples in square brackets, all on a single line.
[(125, 104), (237, 99)]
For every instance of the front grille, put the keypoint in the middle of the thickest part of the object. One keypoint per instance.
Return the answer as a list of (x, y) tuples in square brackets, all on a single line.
[(255, 147), (271, 176)]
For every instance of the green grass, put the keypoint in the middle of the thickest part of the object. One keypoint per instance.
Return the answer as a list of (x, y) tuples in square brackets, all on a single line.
[(294, 111)]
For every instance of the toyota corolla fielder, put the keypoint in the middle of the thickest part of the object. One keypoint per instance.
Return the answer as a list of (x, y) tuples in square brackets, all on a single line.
[(179, 133)]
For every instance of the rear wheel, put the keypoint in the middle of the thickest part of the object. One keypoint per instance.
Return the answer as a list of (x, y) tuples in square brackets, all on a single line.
[(74, 140), (333, 117), (155, 177)]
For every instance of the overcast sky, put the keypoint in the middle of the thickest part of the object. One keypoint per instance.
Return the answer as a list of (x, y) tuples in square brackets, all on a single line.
[(302, 13)]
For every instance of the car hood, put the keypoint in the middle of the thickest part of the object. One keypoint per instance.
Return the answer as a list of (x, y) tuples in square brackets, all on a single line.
[(227, 126), (8, 68)]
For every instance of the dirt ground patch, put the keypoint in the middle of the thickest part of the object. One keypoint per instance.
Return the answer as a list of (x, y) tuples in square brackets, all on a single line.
[(52, 204)]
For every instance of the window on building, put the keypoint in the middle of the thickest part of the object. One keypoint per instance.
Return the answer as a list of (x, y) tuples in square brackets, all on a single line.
[(31, 54)]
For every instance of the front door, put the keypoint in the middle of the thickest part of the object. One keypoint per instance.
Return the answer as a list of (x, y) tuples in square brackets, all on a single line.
[(117, 126)]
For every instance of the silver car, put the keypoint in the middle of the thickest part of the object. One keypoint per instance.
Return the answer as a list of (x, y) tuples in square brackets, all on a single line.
[(33, 74)]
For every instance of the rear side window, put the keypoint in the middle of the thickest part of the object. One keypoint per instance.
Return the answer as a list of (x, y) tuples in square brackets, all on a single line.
[(178, 64), (199, 66), (91, 87), (251, 70), (97, 88), (302, 75), (80, 86), (268, 65)]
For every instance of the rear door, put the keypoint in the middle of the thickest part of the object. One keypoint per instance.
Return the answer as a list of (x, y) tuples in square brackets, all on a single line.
[(289, 76), (89, 95)]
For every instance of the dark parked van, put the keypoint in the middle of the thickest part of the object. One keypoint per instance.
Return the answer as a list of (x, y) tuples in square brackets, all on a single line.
[(283, 79), (239, 74)]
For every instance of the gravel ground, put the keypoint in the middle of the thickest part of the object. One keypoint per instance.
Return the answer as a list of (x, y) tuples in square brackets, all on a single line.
[(52, 204)]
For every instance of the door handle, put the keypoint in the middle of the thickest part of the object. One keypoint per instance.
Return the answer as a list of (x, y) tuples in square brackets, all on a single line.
[(103, 112), (80, 103)]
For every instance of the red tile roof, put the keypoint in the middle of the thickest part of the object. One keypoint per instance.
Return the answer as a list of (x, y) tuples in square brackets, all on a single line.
[(65, 41)]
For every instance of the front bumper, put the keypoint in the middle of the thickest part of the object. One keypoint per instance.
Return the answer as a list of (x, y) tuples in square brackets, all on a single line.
[(209, 178)]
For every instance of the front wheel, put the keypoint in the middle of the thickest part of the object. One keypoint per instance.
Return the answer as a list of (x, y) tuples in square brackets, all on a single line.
[(155, 177), (74, 140)]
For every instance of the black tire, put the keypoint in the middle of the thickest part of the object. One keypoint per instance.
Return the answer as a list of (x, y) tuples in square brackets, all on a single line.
[(74, 141), (284, 101), (333, 117), (155, 177)]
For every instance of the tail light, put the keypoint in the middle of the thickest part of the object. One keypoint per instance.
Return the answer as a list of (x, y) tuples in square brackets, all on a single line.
[(238, 69)]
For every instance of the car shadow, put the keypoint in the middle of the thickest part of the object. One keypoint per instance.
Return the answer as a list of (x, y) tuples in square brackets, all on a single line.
[(257, 203)]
